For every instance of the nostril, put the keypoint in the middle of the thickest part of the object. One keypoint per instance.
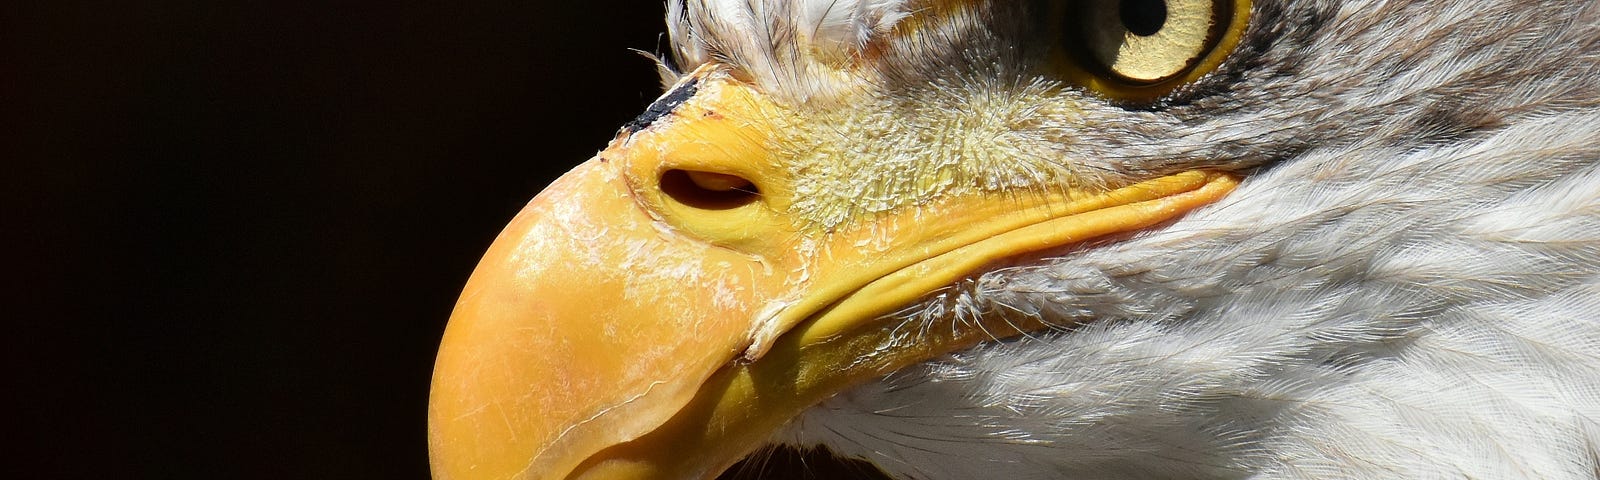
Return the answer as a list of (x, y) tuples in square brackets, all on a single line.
[(720, 182), (708, 190)]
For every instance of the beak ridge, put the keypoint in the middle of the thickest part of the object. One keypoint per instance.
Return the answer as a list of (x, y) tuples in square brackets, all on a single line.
[(554, 350)]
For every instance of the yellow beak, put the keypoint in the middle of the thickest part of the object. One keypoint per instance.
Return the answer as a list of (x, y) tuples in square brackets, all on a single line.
[(659, 311)]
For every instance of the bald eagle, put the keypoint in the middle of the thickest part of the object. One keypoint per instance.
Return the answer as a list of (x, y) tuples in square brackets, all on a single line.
[(1062, 239)]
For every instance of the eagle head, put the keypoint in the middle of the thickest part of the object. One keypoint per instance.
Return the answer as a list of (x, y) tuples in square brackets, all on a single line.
[(1067, 238)]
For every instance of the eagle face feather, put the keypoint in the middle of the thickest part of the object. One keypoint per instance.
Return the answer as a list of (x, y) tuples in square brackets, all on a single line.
[(1405, 283), (1408, 286)]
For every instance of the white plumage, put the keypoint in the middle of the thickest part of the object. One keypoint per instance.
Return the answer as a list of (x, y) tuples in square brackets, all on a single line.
[(1407, 285), (1446, 336)]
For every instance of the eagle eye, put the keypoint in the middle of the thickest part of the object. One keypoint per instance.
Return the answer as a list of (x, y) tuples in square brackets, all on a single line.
[(1143, 17), (1142, 49)]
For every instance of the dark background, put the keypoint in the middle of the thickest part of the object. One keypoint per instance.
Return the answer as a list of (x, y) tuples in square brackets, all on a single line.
[(234, 230)]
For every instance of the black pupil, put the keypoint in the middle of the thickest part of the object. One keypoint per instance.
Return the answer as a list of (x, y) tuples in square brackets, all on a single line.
[(1143, 17)]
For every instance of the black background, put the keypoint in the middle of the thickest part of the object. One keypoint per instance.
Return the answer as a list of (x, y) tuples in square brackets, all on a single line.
[(234, 230)]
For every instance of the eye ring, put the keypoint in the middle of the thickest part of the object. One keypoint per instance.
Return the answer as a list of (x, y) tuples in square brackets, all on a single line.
[(1139, 50)]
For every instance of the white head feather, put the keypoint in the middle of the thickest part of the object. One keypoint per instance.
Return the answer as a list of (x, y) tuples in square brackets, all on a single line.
[(1408, 285)]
